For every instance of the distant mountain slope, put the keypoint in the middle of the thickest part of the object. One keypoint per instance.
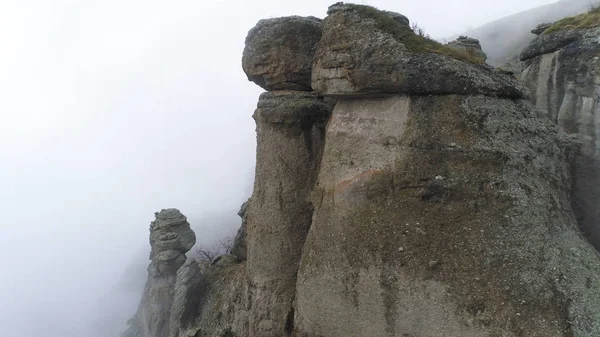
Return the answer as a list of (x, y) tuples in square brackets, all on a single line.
[(502, 40)]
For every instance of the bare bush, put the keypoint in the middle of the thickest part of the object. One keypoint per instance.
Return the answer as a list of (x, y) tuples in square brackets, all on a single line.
[(205, 256), (418, 30)]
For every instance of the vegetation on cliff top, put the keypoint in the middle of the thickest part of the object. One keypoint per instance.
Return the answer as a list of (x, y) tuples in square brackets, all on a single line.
[(416, 41), (590, 19)]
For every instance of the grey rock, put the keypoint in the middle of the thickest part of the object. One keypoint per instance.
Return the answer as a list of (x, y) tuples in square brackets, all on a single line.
[(468, 45), (401, 19), (279, 52), (363, 53), (164, 306), (391, 196), (539, 29), (290, 129), (239, 248), (546, 43), (170, 231), (225, 260), (186, 298), (564, 79)]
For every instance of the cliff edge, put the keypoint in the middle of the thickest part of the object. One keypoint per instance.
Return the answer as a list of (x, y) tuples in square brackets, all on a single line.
[(403, 188)]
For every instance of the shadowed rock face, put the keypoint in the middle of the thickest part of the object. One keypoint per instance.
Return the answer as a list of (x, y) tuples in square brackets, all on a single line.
[(563, 74), (278, 53), (290, 129)]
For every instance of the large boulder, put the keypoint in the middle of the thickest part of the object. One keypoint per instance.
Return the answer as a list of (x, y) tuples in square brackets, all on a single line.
[(365, 52), (279, 52), (470, 46), (563, 74)]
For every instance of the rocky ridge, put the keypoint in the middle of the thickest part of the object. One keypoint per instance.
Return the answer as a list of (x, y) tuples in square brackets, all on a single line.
[(401, 189)]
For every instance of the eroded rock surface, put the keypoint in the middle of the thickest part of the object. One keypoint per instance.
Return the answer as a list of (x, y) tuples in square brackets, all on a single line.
[(433, 201), (164, 300), (290, 129), (563, 75), (278, 53), (469, 45), (363, 52)]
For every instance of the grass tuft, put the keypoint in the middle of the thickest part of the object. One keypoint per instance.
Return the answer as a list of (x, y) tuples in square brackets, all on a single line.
[(590, 19)]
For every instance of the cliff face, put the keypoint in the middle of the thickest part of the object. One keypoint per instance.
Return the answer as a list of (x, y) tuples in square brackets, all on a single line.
[(403, 188), (563, 74)]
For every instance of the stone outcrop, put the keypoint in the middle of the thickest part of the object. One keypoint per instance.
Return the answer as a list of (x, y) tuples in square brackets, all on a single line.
[(375, 55), (278, 53), (290, 129), (171, 280), (239, 248), (563, 74), (469, 45), (414, 192)]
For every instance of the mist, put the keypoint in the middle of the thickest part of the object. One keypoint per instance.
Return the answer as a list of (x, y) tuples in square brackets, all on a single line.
[(114, 110)]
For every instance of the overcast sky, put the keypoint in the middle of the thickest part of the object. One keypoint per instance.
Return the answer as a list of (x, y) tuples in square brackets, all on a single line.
[(112, 110)]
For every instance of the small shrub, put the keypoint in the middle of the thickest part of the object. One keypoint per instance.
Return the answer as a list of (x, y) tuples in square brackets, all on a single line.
[(205, 256)]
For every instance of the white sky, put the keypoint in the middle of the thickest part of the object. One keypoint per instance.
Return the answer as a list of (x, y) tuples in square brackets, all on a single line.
[(111, 110)]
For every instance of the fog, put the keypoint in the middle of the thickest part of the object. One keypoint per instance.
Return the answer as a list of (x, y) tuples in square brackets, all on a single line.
[(112, 110)]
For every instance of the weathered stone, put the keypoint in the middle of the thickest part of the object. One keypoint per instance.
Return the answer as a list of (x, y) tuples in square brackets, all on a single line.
[(468, 45), (162, 307), (564, 79), (541, 28), (478, 184), (170, 231), (547, 43), (186, 298), (290, 129), (365, 53), (279, 52), (239, 248)]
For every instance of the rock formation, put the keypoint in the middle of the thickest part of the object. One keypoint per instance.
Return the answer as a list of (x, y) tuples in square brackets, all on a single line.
[(469, 45), (171, 280), (563, 74), (433, 200)]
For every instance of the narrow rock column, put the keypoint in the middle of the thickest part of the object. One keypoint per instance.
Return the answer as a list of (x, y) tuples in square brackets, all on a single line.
[(170, 238), (290, 130)]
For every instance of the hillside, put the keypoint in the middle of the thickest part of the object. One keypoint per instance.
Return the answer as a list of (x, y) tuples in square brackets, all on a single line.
[(502, 40)]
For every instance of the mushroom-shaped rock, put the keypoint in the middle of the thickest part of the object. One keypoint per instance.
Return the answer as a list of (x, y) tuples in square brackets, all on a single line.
[(170, 231), (365, 52), (279, 52), (468, 45)]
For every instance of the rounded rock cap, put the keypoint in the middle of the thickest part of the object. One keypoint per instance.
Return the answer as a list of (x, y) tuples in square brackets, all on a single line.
[(279, 52)]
